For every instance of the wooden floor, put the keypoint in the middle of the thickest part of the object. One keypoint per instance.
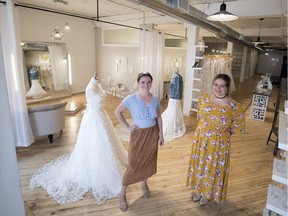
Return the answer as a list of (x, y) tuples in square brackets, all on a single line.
[(251, 169)]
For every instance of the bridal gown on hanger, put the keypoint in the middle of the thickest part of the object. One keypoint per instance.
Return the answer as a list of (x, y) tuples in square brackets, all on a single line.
[(97, 161), (213, 65)]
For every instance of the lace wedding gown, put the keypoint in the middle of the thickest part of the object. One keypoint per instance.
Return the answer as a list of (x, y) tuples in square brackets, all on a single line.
[(97, 161), (172, 120)]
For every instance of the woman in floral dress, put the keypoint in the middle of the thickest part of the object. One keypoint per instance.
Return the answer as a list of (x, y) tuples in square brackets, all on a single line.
[(219, 117)]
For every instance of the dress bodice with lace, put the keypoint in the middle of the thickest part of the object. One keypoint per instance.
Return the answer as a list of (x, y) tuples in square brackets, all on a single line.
[(97, 161)]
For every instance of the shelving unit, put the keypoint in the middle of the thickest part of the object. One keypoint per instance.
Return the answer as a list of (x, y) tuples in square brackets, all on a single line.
[(196, 76), (277, 203), (279, 172), (282, 131)]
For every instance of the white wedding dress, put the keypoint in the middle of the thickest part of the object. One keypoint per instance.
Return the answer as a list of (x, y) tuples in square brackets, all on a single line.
[(172, 120), (97, 161)]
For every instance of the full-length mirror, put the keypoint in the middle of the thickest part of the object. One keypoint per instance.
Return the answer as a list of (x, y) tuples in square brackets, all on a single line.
[(46, 73)]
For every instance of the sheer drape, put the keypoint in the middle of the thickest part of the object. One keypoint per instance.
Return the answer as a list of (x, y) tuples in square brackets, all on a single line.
[(151, 49), (59, 67), (13, 64)]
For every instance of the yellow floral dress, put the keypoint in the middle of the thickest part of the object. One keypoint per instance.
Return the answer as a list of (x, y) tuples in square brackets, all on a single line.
[(210, 155)]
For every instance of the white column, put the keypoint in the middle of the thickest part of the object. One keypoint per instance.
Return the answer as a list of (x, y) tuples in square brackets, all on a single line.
[(230, 48), (253, 59), (243, 65)]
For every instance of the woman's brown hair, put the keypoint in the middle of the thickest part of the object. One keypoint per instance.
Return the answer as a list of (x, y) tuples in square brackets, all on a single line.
[(140, 75)]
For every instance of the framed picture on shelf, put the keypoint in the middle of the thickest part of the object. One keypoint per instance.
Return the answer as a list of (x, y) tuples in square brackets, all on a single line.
[(43, 58)]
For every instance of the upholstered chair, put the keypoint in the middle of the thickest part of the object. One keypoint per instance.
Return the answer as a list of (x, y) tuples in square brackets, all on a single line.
[(47, 119)]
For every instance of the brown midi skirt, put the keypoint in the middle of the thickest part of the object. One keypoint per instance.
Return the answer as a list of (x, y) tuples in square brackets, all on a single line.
[(142, 155)]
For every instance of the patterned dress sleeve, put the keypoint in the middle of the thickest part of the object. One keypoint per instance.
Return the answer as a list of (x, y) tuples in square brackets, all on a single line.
[(199, 105), (238, 120)]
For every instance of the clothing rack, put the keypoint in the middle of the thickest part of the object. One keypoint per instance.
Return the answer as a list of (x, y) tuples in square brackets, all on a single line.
[(217, 56)]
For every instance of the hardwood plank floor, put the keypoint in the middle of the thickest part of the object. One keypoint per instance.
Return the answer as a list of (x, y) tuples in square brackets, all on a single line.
[(251, 169)]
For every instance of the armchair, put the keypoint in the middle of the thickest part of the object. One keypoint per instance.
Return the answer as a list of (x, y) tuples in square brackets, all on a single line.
[(47, 119)]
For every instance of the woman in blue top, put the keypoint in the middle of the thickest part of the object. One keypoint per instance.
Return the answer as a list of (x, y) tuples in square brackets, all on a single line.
[(145, 134)]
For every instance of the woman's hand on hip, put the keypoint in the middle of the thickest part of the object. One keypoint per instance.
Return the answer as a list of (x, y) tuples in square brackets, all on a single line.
[(133, 128), (161, 141)]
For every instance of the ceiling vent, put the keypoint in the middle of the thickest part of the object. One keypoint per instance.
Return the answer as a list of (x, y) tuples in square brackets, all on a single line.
[(182, 5)]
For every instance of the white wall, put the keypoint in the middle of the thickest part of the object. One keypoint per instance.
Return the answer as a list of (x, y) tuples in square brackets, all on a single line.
[(170, 56), (37, 26), (271, 63), (106, 57)]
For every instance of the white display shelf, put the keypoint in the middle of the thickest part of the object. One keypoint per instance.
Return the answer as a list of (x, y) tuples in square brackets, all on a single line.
[(279, 175), (267, 212), (197, 79), (194, 110), (282, 131), (276, 204), (195, 89), (198, 57), (286, 107), (195, 99), (198, 68), (201, 46)]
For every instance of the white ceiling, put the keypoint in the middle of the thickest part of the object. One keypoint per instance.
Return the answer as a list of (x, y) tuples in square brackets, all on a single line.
[(135, 13)]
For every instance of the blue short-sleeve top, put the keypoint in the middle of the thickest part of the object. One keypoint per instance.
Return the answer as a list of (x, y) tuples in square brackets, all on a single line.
[(143, 116)]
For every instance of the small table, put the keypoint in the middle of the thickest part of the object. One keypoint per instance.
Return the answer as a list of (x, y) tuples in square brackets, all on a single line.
[(115, 89), (259, 104)]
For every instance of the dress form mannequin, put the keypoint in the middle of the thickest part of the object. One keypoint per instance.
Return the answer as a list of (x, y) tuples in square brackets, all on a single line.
[(172, 117), (36, 90)]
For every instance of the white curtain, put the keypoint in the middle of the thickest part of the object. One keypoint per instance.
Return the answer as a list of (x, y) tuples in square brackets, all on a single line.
[(59, 67), (13, 64), (151, 50)]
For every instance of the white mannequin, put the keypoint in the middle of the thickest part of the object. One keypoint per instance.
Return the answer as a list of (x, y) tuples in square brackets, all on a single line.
[(36, 90), (95, 85), (94, 79)]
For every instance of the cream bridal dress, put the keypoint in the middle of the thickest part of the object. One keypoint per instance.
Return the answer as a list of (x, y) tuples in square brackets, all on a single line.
[(97, 161)]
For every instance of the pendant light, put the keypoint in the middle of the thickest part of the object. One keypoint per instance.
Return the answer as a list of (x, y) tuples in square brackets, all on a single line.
[(258, 41), (67, 27), (222, 15), (57, 35)]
